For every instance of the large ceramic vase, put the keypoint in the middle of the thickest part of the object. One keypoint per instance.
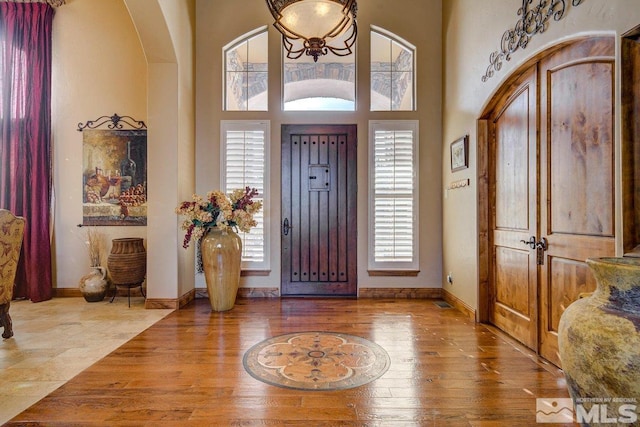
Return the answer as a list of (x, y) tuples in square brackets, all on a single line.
[(127, 261), (599, 339), (221, 252), (93, 286)]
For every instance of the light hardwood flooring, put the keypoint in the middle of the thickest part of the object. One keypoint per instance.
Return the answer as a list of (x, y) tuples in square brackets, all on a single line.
[(57, 339), (186, 369)]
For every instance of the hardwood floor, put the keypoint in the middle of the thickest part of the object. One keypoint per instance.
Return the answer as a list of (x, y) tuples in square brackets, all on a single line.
[(57, 339), (187, 370)]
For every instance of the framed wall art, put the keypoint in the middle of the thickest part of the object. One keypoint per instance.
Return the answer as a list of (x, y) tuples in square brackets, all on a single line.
[(114, 175), (460, 154)]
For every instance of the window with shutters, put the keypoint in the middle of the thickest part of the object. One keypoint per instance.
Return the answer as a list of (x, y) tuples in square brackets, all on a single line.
[(245, 163), (393, 195), (392, 72), (245, 72)]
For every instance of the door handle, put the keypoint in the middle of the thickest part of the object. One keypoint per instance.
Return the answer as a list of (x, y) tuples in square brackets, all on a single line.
[(541, 247), (542, 244), (531, 242), (286, 227)]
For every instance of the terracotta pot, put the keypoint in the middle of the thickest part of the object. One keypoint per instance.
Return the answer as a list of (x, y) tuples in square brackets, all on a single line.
[(599, 339), (94, 286), (127, 261), (221, 253)]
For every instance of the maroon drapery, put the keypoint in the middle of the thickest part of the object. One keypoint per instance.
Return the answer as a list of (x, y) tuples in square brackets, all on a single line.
[(25, 137)]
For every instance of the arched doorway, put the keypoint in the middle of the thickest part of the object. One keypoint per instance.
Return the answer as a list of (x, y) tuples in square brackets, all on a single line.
[(546, 182), (170, 279)]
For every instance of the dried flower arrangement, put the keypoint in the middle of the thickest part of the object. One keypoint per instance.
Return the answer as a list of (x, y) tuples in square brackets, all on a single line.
[(235, 210), (95, 244)]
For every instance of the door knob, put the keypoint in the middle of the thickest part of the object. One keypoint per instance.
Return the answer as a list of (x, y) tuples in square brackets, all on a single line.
[(542, 244), (541, 247)]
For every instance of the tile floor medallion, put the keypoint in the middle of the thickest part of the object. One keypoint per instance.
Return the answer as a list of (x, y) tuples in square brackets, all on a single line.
[(316, 361)]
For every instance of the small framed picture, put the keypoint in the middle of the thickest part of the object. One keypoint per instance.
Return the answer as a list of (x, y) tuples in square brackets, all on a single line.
[(460, 154)]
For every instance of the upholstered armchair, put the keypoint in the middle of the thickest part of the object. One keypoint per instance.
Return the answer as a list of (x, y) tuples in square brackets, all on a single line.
[(11, 233)]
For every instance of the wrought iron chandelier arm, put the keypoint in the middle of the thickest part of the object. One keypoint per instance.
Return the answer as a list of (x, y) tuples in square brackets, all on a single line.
[(348, 44), (315, 45), (291, 52)]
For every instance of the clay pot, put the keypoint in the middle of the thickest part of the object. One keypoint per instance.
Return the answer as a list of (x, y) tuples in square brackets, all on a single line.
[(599, 338), (127, 261), (221, 253), (94, 286)]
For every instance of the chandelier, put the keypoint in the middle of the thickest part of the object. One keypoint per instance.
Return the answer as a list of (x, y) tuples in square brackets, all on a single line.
[(315, 27)]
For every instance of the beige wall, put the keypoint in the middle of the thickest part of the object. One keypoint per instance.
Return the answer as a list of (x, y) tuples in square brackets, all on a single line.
[(472, 30), (218, 23), (99, 69), (166, 29), (132, 57)]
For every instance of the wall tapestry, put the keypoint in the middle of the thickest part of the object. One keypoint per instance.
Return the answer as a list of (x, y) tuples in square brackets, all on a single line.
[(114, 175)]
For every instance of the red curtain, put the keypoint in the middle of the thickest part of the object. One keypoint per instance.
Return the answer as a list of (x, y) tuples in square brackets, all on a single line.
[(25, 144)]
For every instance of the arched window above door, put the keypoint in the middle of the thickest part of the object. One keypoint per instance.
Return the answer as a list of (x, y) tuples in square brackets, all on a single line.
[(392, 72), (326, 85), (246, 72)]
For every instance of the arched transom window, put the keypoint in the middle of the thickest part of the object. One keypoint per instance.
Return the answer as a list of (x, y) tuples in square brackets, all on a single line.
[(245, 72), (392, 72), (329, 84)]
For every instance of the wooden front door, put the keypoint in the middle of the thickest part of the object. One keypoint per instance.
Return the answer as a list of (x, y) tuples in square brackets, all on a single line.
[(551, 189), (514, 214), (576, 176), (319, 189)]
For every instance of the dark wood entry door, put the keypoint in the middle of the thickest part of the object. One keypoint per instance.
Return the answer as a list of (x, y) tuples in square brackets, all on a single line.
[(555, 186), (319, 190)]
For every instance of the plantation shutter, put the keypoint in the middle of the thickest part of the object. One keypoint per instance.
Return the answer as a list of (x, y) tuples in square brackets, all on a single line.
[(245, 166), (394, 198)]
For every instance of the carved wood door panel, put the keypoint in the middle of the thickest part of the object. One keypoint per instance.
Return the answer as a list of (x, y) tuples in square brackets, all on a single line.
[(513, 218), (551, 189), (319, 189), (577, 176)]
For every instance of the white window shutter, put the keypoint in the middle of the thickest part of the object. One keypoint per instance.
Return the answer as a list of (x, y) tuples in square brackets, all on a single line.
[(245, 165), (393, 196)]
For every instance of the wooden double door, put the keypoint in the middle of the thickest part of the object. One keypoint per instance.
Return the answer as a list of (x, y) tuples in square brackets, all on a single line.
[(551, 189)]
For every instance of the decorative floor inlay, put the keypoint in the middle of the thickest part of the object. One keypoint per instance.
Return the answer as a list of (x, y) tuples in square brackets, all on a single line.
[(316, 361)]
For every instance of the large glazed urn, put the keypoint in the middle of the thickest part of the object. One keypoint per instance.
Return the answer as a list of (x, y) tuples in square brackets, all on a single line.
[(221, 252), (599, 343)]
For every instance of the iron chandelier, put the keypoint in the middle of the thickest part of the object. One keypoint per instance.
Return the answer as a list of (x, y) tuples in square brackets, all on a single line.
[(309, 26)]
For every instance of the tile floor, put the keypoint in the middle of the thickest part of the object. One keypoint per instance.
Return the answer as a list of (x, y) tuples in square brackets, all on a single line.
[(55, 340)]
